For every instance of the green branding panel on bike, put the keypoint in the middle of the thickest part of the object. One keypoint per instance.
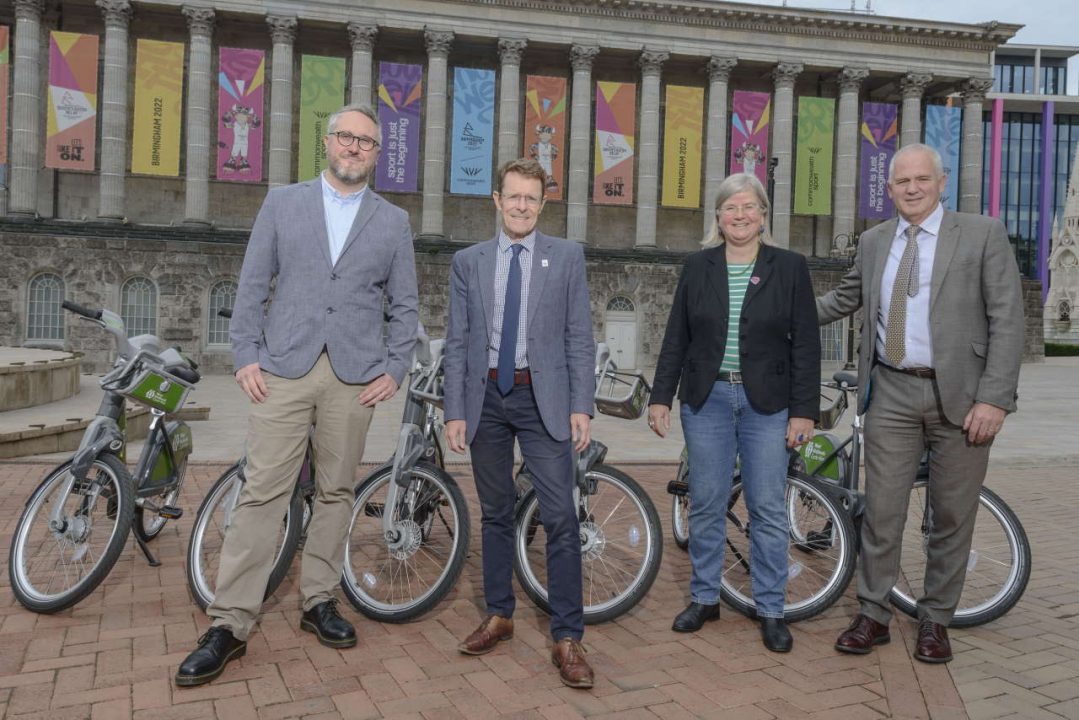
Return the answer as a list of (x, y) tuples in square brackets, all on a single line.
[(159, 391), (816, 451)]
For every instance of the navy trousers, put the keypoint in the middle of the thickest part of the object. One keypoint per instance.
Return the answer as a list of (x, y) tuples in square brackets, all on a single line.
[(504, 419)]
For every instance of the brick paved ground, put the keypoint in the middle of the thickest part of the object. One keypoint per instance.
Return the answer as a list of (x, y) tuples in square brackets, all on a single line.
[(113, 655)]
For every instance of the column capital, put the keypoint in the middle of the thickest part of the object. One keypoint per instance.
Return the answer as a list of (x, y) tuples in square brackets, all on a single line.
[(29, 9), (581, 56), (720, 68), (362, 36), (282, 28), (200, 20), (785, 73), (973, 90), (913, 84), (438, 42), (117, 13), (651, 61), (510, 50), (850, 78)]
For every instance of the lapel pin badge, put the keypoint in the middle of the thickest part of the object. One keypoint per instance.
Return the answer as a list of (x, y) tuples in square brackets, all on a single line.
[(755, 279), (544, 262)]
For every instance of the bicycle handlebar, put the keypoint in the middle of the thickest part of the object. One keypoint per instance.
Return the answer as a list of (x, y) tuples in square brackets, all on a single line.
[(225, 312), (80, 310)]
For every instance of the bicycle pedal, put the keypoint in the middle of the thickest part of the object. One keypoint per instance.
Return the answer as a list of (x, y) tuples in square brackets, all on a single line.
[(678, 487), (170, 512)]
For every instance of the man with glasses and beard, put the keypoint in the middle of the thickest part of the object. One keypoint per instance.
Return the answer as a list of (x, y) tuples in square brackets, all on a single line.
[(324, 258)]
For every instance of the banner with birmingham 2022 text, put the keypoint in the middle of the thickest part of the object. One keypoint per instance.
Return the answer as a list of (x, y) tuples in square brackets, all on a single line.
[(683, 130), (400, 99), (71, 126), (241, 86), (813, 171), (322, 92), (943, 131), (473, 131), (159, 87), (616, 118), (545, 128), (880, 133), (751, 113)]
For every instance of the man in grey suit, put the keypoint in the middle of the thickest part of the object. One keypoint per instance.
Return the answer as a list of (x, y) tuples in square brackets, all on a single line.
[(323, 259), (938, 367), (519, 364)]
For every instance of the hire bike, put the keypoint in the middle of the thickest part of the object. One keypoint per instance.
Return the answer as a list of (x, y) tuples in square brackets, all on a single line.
[(75, 524), (824, 507)]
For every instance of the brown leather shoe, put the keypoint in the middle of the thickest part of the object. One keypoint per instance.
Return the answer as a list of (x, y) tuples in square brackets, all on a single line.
[(568, 656), (933, 645), (493, 630), (864, 632)]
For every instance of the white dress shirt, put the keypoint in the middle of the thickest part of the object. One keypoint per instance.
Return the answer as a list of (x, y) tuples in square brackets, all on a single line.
[(340, 211), (502, 275)]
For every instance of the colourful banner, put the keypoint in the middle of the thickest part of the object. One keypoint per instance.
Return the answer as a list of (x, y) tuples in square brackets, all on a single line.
[(943, 131), (241, 87), (473, 131), (322, 93), (159, 86), (683, 131), (400, 99), (616, 116), (751, 112), (71, 130), (545, 128), (880, 126), (813, 168), (5, 66)]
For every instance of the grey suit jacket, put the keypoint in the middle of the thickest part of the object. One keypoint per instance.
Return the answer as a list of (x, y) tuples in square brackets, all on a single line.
[(975, 311), (292, 302), (561, 350)]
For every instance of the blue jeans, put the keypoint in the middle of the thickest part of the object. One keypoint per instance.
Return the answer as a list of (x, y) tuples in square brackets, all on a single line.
[(723, 428)]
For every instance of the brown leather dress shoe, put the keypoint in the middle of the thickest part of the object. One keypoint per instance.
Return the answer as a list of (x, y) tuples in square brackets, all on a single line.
[(864, 632), (933, 645), (568, 656), (493, 630)]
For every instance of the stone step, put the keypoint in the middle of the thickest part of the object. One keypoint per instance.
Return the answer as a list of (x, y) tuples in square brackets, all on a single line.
[(31, 377)]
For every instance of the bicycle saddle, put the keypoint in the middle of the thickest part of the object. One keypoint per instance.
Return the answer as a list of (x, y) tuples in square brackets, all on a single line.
[(847, 380)]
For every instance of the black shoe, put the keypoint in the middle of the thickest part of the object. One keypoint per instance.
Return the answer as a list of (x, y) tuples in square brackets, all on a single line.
[(216, 649), (331, 629), (693, 617), (775, 634)]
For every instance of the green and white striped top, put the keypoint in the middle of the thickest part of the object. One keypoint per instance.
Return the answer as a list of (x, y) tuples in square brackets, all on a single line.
[(737, 282)]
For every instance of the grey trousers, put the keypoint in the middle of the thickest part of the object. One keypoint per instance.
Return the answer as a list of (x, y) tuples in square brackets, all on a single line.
[(276, 440), (903, 418)]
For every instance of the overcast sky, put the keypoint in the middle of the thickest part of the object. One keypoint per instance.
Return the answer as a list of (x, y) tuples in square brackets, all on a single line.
[(1047, 22)]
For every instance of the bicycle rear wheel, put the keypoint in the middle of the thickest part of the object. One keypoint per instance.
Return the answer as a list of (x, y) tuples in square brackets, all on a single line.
[(398, 579), (998, 565), (621, 545), (51, 570), (821, 553)]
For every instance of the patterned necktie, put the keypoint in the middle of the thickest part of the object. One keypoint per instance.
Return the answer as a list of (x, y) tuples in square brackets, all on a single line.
[(511, 318), (906, 285)]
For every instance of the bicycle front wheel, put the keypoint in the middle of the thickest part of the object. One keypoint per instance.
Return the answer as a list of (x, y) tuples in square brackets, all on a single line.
[(680, 511), (212, 521), (621, 545), (820, 555), (52, 568), (998, 564), (398, 578)]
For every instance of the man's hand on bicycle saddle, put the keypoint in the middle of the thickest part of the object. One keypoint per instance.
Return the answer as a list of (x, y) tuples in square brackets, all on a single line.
[(378, 390), (455, 435), (799, 431), (250, 380)]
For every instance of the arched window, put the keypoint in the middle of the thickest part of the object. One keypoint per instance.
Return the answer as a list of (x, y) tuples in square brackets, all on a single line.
[(620, 304), (138, 306), (222, 297), (44, 316)]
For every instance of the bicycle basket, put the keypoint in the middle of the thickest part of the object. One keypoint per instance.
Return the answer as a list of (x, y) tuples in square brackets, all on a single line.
[(622, 394), (154, 387), (829, 416)]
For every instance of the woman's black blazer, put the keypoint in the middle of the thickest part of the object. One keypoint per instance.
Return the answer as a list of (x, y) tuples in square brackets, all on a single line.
[(779, 340)]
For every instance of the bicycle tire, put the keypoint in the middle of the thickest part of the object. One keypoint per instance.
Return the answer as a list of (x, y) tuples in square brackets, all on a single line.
[(208, 532), (148, 524), (26, 574), (821, 551), (998, 565), (431, 542), (680, 511), (612, 545)]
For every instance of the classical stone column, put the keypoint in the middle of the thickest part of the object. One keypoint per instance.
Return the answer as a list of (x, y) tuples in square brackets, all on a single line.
[(970, 174), (651, 62), (26, 141), (283, 32), (362, 36), (715, 158), (509, 99), (785, 74), (846, 153), (580, 147), (434, 144), (913, 86), (200, 23), (114, 145)]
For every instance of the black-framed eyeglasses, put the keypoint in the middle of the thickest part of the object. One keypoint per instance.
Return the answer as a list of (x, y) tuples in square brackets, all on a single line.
[(347, 139)]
